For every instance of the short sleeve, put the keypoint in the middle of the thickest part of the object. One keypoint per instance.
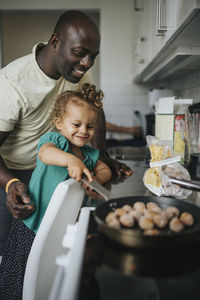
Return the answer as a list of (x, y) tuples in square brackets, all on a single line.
[(55, 138), (11, 105), (92, 153)]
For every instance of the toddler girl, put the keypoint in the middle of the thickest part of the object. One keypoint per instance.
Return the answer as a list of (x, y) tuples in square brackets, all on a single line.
[(61, 154)]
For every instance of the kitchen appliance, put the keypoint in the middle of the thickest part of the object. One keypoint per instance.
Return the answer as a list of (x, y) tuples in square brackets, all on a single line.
[(95, 267), (71, 269), (111, 271), (137, 262), (150, 124), (193, 140), (134, 237), (98, 268)]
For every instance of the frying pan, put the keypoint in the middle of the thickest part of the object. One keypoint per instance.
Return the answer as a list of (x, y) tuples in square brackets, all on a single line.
[(134, 237)]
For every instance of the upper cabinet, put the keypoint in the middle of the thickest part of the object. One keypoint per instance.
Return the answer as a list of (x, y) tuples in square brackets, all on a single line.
[(168, 39), (183, 8)]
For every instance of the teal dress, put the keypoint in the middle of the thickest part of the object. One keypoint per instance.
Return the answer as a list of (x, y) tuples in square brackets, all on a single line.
[(45, 178)]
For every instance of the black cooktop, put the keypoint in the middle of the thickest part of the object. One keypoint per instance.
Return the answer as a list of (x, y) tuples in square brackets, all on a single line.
[(112, 271)]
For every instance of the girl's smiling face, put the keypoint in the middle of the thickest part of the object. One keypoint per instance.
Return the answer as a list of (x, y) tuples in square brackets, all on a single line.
[(78, 123)]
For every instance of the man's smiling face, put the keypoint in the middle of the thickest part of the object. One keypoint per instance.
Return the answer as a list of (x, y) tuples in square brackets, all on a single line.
[(76, 53)]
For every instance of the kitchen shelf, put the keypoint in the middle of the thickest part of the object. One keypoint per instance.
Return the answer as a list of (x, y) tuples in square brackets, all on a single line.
[(180, 55)]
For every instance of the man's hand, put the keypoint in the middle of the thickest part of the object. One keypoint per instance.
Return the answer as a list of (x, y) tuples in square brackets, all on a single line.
[(117, 168), (16, 200)]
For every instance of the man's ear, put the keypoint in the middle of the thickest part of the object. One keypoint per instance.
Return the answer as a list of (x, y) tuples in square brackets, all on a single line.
[(58, 123), (54, 40)]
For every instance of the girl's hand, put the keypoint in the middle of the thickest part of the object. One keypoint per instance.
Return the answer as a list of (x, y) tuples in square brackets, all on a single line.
[(77, 168)]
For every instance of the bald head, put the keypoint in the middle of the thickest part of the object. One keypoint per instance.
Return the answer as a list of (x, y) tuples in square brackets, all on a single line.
[(77, 19), (72, 48)]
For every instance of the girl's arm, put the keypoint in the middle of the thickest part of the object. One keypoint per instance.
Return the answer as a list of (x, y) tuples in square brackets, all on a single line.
[(102, 172), (51, 155)]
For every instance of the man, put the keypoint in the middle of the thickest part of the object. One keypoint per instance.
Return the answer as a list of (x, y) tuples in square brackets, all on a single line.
[(28, 87), (136, 131)]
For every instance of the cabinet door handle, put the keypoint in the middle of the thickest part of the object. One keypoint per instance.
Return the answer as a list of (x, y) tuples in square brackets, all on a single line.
[(138, 5), (160, 27)]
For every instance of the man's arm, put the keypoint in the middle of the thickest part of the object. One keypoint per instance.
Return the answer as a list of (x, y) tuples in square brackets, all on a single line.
[(99, 142), (102, 172), (5, 174), (17, 191), (133, 130)]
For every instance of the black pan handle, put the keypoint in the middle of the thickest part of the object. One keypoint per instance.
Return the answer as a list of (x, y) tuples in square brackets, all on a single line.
[(187, 184), (97, 187)]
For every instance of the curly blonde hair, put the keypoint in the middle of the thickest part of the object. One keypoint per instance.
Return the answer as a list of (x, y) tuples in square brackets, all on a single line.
[(87, 93)]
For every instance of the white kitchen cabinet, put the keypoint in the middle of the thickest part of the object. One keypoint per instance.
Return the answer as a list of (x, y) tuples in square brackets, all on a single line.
[(168, 16), (183, 8), (169, 22), (150, 38), (157, 35), (142, 49), (163, 23)]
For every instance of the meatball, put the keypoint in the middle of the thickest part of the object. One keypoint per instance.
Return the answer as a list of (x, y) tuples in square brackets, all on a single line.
[(160, 220), (146, 223), (187, 219), (176, 225), (109, 216), (127, 220), (139, 206), (120, 211), (172, 211), (153, 207), (149, 213), (136, 214), (127, 208), (114, 222)]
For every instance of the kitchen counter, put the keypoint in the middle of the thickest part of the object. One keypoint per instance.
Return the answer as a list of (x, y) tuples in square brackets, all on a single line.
[(134, 186), (114, 272), (127, 186)]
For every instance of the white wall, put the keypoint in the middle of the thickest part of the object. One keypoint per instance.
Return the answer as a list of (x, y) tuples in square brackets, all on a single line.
[(118, 26), (187, 86), (119, 32)]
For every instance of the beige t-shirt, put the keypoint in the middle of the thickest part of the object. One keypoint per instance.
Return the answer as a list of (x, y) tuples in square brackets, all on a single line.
[(27, 97)]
